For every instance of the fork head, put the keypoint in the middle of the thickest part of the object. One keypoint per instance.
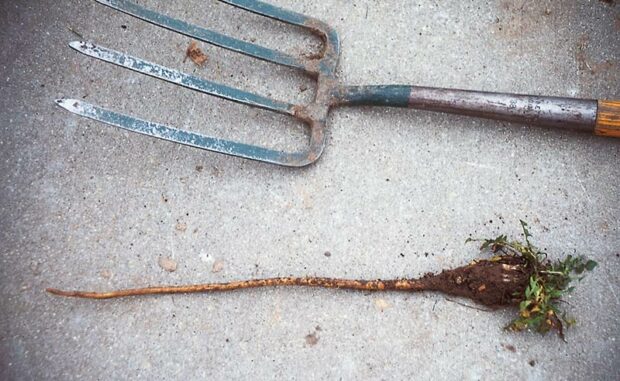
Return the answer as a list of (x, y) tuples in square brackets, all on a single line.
[(320, 66)]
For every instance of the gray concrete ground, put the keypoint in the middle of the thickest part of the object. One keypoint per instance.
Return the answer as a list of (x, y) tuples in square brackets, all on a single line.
[(397, 192)]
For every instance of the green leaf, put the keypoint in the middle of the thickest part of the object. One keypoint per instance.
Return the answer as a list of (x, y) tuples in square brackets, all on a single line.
[(526, 232), (590, 265), (528, 292), (524, 304), (570, 321)]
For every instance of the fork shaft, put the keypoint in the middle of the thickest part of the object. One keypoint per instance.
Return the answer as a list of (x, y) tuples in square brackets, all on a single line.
[(572, 113)]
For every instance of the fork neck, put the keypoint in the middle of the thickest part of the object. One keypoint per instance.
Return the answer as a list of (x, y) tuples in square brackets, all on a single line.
[(529, 109)]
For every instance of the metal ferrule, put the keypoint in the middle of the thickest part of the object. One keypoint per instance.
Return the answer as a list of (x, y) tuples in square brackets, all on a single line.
[(529, 109)]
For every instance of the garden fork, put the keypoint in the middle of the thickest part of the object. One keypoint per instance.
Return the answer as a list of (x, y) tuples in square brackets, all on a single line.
[(601, 117)]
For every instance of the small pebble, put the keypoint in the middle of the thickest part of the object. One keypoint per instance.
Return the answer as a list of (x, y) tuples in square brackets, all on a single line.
[(381, 304), (107, 274), (217, 266), (167, 264)]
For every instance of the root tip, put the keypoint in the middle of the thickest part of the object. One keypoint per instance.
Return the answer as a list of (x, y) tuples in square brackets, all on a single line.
[(58, 292)]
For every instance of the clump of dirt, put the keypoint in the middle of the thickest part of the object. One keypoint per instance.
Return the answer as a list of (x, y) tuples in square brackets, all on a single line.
[(195, 54), (495, 283)]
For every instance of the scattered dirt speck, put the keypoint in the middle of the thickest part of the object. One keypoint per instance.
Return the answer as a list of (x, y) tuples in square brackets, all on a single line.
[(312, 339), (532, 362), (199, 168), (181, 226), (327, 254), (509, 347), (106, 274), (604, 226), (167, 264), (35, 268), (585, 63), (195, 54)]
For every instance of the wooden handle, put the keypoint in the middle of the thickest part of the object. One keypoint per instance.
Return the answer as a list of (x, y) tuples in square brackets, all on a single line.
[(608, 119)]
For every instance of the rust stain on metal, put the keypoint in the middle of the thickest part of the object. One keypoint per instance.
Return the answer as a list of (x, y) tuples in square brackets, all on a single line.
[(316, 27)]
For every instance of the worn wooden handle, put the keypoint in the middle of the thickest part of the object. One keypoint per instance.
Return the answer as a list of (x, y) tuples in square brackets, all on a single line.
[(608, 119)]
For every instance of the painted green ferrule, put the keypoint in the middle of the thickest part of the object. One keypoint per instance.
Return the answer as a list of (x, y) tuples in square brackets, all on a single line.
[(389, 95)]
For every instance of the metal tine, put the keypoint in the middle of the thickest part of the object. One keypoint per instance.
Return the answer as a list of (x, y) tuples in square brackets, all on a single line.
[(270, 11), (179, 78), (189, 138), (210, 36)]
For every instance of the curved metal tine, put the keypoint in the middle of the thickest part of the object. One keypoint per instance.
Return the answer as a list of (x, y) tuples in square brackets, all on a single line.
[(179, 78), (188, 138), (270, 11), (328, 58), (203, 34)]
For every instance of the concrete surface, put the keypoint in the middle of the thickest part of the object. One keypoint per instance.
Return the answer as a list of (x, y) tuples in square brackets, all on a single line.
[(397, 192)]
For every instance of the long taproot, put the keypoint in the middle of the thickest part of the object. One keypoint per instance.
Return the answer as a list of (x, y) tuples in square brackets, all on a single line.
[(365, 285)]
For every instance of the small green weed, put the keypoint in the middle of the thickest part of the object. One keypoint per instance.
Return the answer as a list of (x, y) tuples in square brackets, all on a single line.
[(539, 307)]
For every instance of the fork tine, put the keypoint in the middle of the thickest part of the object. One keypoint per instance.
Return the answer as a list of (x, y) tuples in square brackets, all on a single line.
[(205, 35), (323, 62), (270, 11), (179, 78), (228, 147)]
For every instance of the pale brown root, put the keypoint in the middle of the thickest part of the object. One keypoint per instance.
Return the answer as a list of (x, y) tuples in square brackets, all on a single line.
[(374, 285)]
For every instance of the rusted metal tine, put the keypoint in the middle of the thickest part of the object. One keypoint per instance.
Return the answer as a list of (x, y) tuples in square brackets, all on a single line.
[(323, 63)]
